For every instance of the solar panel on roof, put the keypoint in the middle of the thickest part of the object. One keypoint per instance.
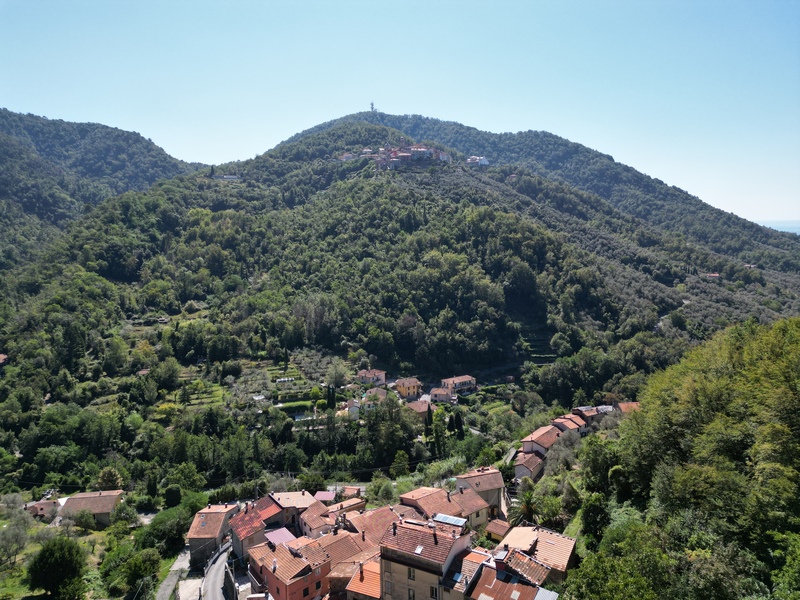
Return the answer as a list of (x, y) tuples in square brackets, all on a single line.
[(450, 520)]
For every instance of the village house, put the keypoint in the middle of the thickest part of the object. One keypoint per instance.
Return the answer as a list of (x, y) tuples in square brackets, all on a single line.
[(316, 520), (528, 464), (100, 504), (375, 395), (495, 582), (248, 527), (570, 422), (592, 414), (463, 384), (207, 531), (541, 440), (420, 407), (441, 394), (497, 529), (372, 524), (289, 573), (477, 161), (366, 582), (293, 505), (488, 483), (44, 510), (408, 388), (627, 407), (415, 557), (325, 496), (371, 376), (550, 548), (351, 491), (462, 570)]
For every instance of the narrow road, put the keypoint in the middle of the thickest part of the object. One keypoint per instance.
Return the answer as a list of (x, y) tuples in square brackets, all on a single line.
[(213, 585)]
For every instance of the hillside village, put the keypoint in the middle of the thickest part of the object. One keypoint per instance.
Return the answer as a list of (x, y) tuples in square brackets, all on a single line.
[(398, 157), (454, 542)]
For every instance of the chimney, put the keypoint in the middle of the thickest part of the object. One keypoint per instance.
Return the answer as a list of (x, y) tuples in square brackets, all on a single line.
[(274, 564), (302, 492), (261, 570), (209, 505), (364, 535), (361, 568), (394, 528), (448, 497), (461, 489)]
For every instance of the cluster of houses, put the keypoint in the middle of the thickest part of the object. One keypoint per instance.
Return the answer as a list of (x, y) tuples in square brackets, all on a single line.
[(391, 158), (297, 545), (409, 389), (531, 458)]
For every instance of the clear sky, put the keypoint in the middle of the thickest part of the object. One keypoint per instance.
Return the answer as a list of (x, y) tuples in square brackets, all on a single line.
[(701, 94)]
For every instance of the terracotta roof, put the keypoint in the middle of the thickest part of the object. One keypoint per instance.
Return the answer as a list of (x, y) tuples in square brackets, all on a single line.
[(379, 392), (629, 407), (531, 569), (289, 565), (251, 518), (566, 422), (408, 381), (206, 525), (325, 496), (440, 392), (3, 358), (316, 516), (460, 379), (545, 545), (554, 549), (419, 541), (351, 490), (280, 536), (346, 506), (498, 527), (462, 570), (371, 373), (433, 501), (220, 508), (299, 500), (41, 508), (374, 523), (576, 419), (494, 585), (484, 478), (469, 501), (529, 460), (419, 406), (544, 436), (366, 581), (343, 546), (98, 503)]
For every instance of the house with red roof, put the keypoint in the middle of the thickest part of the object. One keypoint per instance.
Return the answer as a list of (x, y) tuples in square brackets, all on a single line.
[(541, 440), (528, 464), (208, 529), (372, 376), (415, 558), (555, 550), (488, 483), (100, 504), (366, 582), (248, 527), (463, 384)]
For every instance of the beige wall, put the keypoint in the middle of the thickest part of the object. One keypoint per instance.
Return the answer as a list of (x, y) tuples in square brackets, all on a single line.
[(397, 575)]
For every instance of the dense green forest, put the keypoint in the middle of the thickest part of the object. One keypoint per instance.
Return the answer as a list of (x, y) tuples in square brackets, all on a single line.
[(669, 208), (699, 492), (50, 170), (193, 336)]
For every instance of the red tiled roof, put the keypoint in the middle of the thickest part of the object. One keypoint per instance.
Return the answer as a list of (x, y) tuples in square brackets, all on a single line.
[(206, 525), (529, 460), (280, 536), (419, 406), (346, 505), (252, 517), (351, 490), (325, 496), (531, 569), (460, 379), (419, 541), (374, 523), (289, 565), (98, 503), (494, 585), (462, 569), (545, 545), (432, 501), (498, 527), (342, 547), (544, 436), (628, 407), (566, 422), (408, 382), (316, 516), (469, 501), (575, 419), (300, 500), (366, 581), (484, 478)]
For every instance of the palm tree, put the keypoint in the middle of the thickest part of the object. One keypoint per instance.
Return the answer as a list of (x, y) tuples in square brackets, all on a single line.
[(526, 509)]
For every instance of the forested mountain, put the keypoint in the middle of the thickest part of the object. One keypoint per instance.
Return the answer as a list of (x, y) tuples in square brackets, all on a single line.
[(50, 170), (666, 207)]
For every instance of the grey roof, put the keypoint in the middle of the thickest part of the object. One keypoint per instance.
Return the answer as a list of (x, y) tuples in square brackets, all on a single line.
[(544, 594)]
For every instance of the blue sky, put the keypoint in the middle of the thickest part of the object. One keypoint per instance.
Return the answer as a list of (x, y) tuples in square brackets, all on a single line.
[(703, 95)]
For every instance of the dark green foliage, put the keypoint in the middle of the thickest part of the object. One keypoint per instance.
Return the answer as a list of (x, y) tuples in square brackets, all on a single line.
[(58, 568)]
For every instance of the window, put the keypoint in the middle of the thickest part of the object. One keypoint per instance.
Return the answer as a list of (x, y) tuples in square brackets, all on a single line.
[(319, 584), (412, 574), (410, 594), (387, 587), (434, 591), (317, 571), (305, 592)]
